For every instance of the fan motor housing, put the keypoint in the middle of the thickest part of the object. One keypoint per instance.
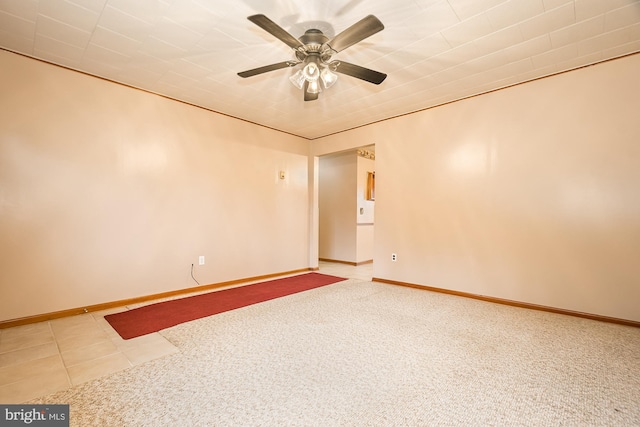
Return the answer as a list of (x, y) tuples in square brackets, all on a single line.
[(313, 36), (314, 45)]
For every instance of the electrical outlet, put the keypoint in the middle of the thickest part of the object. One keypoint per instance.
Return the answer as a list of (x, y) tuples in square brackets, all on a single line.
[(201, 260), (394, 257)]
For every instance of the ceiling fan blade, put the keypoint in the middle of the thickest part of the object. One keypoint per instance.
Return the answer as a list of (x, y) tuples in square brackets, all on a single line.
[(308, 96), (355, 33), (267, 68), (359, 72), (276, 30)]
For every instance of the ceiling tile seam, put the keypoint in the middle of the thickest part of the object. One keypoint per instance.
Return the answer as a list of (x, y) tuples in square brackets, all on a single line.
[(151, 36), (118, 10), (28, 22), (191, 30), (125, 58), (114, 32), (82, 6), (586, 42), (54, 39), (64, 25), (18, 17), (456, 13)]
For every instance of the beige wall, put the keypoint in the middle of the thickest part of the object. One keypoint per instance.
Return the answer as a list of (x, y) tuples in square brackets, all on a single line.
[(531, 193), (108, 193)]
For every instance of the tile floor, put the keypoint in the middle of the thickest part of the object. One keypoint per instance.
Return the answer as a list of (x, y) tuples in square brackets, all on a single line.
[(42, 358)]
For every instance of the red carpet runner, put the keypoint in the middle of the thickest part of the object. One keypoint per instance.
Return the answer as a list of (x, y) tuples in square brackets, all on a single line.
[(155, 317)]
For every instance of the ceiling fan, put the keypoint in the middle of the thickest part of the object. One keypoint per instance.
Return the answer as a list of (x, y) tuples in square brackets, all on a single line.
[(315, 50)]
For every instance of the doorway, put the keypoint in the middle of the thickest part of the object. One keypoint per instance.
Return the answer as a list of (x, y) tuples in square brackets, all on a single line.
[(346, 202)]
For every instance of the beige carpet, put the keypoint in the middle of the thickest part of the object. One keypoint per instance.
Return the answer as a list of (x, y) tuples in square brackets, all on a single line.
[(369, 354)]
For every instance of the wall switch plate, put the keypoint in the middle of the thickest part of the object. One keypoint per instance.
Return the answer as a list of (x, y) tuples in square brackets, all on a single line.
[(201, 260), (394, 257)]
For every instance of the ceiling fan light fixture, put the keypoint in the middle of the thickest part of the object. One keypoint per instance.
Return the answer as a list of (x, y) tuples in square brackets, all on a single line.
[(314, 87), (328, 78), (298, 79), (314, 50), (311, 71)]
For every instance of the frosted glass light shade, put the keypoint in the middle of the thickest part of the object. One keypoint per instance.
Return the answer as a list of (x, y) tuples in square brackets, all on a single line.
[(298, 79), (311, 71), (314, 86), (328, 78)]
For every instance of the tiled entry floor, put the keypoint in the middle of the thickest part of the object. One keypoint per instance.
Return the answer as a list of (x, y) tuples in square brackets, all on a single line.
[(42, 358), (46, 357)]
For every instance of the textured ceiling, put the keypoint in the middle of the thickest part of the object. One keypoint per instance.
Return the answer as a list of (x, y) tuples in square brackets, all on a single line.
[(434, 51)]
